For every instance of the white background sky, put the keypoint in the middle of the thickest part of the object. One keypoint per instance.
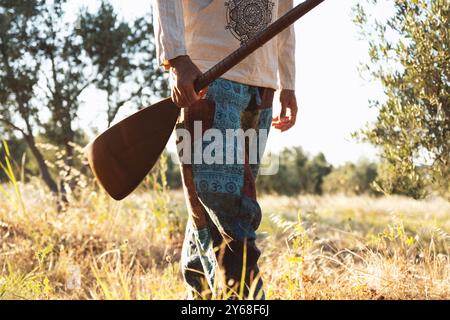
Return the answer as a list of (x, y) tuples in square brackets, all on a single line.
[(333, 98)]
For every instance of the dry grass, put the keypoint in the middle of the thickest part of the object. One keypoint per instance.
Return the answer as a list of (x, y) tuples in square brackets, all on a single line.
[(359, 248), (330, 247)]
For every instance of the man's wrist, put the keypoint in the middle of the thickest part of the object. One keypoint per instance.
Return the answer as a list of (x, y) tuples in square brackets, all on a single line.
[(176, 62)]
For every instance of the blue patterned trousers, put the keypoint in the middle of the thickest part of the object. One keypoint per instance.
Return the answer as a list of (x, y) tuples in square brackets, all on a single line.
[(219, 252)]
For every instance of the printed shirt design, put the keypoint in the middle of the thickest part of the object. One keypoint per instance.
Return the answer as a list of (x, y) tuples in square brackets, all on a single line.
[(246, 18)]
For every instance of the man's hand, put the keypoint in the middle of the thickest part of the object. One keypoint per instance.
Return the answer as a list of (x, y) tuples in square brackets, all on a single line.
[(288, 101), (185, 73)]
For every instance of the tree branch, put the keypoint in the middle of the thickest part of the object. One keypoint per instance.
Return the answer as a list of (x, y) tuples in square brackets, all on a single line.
[(12, 125)]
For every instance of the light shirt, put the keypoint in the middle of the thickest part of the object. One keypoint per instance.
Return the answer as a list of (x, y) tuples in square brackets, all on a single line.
[(209, 30)]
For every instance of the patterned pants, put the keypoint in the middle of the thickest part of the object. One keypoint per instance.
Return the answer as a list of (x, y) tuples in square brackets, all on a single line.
[(219, 252)]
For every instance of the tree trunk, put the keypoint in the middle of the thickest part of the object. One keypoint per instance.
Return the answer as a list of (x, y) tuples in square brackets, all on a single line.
[(43, 168), (69, 162)]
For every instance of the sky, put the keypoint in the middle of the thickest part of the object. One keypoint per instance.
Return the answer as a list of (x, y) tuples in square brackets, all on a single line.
[(332, 96)]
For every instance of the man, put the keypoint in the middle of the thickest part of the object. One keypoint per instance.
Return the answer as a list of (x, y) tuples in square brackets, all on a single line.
[(219, 256)]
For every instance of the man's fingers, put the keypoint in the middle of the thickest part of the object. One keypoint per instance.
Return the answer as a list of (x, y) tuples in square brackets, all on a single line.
[(202, 94), (180, 99), (177, 97), (187, 94), (285, 123), (284, 127), (294, 113), (281, 126), (283, 111), (182, 90), (278, 120), (291, 123), (281, 119), (280, 123), (294, 119), (294, 110), (192, 96)]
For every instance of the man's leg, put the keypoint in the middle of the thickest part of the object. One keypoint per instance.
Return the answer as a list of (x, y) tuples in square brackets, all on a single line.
[(192, 268), (227, 191), (197, 258)]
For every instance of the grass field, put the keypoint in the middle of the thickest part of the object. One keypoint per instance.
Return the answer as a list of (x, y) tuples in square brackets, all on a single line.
[(329, 247)]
